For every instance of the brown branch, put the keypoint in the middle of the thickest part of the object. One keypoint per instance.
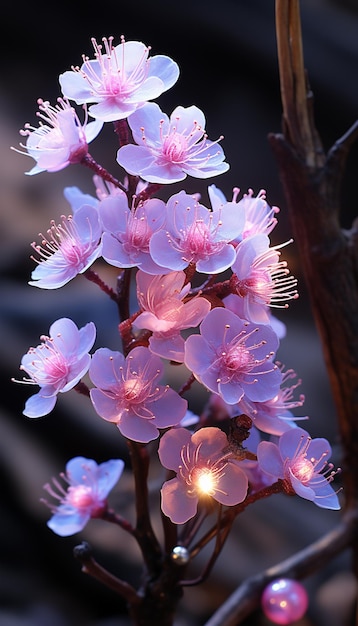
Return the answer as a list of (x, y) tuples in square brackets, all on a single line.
[(83, 553), (147, 541), (246, 598)]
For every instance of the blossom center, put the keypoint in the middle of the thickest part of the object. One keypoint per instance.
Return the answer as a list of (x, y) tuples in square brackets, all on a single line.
[(237, 359), (204, 480), (303, 469), (175, 147), (80, 496)]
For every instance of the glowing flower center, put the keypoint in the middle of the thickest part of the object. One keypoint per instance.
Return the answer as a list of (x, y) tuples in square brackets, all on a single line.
[(303, 469), (205, 480), (80, 496)]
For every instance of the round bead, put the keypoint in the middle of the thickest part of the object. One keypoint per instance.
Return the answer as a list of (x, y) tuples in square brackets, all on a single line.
[(284, 601), (180, 555)]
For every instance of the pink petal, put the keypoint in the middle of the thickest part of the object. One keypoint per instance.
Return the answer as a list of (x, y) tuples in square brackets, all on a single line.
[(176, 503)]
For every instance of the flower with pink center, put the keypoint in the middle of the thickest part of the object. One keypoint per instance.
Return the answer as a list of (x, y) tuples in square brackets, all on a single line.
[(69, 249), (119, 79), (127, 393), (274, 416), (259, 216), (169, 150), (303, 463), (84, 496), (127, 233), (261, 279), (204, 469), (57, 364), (194, 235), (165, 312), (233, 357), (61, 140)]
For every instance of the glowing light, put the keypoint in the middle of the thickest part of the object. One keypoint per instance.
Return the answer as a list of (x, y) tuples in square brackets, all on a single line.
[(284, 601), (205, 481)]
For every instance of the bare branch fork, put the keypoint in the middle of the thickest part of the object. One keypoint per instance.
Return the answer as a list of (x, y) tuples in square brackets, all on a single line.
[(311, 182)]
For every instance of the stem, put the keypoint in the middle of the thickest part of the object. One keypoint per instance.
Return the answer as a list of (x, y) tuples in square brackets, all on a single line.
[(94, 278), (111, 516), (230, 514), (89, 161), (246, 598), (83, 553), (144, 533), (221, 536)]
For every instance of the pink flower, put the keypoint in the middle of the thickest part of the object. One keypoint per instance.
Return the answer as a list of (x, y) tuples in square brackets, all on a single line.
[(302, 462), (127, 393), (170, 149), (62, 140), (127, 233), (69, 249), (203, 468), (259, 216), (85, 495), (261, 279), (57, 364), (119, 79), (195, 235), (165, 314), (232, 357)]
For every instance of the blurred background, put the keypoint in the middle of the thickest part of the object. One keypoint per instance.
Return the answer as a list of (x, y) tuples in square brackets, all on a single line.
[(227, 56)]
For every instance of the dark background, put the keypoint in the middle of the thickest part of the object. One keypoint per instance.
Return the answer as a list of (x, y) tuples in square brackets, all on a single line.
[(227, 56)]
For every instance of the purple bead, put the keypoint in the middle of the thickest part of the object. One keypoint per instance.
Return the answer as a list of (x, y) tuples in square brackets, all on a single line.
[(284, 601)]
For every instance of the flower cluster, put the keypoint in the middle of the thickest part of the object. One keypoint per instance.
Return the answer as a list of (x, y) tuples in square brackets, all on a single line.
[(197, 282)]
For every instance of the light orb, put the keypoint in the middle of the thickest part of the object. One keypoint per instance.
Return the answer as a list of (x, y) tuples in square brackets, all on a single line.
[(284, 601), (180, 555)]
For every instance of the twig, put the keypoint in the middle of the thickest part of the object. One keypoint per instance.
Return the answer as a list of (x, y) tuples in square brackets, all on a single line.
[(83, 553)]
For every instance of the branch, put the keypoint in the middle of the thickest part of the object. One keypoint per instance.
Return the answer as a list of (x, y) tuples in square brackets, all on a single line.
[(83, 553), (144, 533), (246, 598)]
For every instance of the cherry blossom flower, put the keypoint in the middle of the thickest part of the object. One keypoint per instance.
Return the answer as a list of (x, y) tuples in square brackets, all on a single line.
[(195, 235), (127, 393), (127, 233), (233, 357), (69, 249), (57, 364), (61, 140), (259, 216), (165, 314), (119, 79), (302, 462), (84, 496), (203, 468), (169, 150), (261, 279)]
